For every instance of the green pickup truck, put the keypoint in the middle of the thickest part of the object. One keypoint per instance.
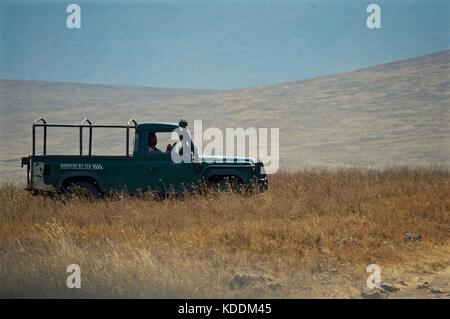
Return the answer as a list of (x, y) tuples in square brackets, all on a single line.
[(135, 172)]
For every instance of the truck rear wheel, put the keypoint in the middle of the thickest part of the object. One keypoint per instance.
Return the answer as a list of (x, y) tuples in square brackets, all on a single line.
[(82, 190)]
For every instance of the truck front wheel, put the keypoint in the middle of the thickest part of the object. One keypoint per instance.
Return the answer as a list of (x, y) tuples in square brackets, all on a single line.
[(226, 183)]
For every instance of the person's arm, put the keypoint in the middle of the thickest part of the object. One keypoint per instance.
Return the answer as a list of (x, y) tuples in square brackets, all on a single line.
[(170, 147)]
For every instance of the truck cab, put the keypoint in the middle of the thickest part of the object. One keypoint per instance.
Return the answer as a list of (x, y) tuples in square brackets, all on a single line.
[(138, 171)]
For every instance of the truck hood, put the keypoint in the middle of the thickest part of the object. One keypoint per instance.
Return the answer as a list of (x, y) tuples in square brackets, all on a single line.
[(228, 159)]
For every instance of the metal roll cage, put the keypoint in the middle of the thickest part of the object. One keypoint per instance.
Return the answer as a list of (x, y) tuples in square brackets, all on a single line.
[(85, 123)]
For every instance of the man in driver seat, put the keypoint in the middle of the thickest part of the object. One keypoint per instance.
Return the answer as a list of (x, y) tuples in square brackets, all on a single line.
[(153, 141)]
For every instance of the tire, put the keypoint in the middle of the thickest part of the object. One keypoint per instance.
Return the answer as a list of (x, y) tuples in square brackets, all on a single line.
[(227, 184), (82, 190)]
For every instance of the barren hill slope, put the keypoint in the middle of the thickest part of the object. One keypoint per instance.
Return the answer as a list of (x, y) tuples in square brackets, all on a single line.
[(393, 114), (397, 113)]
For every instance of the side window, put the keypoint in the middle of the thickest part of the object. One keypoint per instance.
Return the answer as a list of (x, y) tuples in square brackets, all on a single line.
[(159, 144)]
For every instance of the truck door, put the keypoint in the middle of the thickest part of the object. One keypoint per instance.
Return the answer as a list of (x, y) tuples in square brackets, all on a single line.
[(162, 174)]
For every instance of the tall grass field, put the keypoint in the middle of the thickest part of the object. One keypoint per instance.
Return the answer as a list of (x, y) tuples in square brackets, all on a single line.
[(311, 235)]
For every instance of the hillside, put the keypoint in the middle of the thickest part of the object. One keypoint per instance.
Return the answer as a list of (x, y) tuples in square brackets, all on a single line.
[(393, 114)]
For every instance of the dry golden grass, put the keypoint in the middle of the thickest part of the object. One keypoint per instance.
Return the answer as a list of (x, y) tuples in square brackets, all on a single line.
[(313, 233)]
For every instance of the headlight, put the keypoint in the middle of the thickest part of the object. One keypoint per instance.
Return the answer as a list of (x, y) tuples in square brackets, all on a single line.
[(260, 171)]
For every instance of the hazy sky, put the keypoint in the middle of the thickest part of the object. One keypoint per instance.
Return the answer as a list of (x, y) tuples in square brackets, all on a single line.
[(212, 43)]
